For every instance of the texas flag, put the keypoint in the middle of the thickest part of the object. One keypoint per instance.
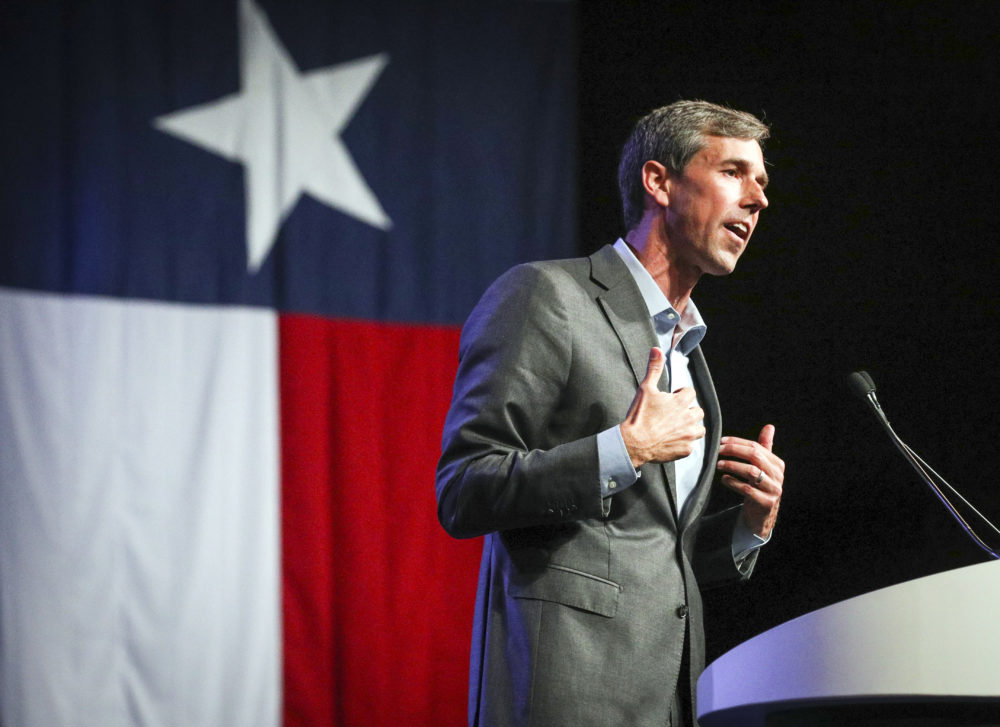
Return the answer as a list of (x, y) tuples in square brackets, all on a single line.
[(239, 239)]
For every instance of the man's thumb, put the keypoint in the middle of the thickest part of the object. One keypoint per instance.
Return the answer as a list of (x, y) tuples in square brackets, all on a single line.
[(766, 437), (655, 368)]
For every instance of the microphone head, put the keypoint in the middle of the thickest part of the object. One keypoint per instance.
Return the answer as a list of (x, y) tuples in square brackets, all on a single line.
[(861, 383)]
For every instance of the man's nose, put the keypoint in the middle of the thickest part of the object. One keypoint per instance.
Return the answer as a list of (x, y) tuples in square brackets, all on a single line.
[(756, 200)]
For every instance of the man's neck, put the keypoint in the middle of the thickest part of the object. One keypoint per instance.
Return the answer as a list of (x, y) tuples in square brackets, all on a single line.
[(652, 249)]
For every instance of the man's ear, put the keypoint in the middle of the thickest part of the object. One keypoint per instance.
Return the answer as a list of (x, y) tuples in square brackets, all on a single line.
[(656, 182)]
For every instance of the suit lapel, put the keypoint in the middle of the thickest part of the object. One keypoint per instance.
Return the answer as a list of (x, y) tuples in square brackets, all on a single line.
[(627, 313), (625, 309), (713, 433)]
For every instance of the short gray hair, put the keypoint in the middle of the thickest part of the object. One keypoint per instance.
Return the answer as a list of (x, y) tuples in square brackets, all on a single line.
[(672, 135)]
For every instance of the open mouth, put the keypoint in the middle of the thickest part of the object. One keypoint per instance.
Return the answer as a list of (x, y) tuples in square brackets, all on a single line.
[(740, 229)]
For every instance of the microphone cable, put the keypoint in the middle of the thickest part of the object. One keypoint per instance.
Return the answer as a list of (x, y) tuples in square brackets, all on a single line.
[(863, 385)]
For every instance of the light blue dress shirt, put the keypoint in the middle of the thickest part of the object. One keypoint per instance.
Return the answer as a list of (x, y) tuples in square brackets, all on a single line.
[(678, 335)]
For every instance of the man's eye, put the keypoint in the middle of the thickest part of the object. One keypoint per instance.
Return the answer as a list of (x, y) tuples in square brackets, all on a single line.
[(731, 172)]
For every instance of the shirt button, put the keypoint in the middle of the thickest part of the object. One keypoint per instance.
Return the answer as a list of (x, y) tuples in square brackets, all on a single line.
[(612, 484), (682, 611)]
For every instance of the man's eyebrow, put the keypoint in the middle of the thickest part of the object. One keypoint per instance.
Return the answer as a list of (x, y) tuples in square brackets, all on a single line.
[(744, 166)]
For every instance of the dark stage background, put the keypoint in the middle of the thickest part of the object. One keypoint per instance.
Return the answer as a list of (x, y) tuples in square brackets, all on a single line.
[(879, 251)]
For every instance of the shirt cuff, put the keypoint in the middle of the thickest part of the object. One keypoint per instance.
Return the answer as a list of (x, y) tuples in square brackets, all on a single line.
[(745, 541), (614, 464)]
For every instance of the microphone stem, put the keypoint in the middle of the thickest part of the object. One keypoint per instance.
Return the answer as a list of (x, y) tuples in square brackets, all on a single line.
[(905, 451)]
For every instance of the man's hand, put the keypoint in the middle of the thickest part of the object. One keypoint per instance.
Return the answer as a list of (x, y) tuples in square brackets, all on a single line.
[(660, 427), (759, 477)]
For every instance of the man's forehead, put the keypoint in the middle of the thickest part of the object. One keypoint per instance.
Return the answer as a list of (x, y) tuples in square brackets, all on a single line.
[(730, 150), (729, 146)]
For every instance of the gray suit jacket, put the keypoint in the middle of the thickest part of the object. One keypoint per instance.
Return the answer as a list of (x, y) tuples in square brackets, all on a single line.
[(583, 603)]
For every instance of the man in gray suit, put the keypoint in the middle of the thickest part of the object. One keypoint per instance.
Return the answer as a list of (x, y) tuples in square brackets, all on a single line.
[(583, 438)]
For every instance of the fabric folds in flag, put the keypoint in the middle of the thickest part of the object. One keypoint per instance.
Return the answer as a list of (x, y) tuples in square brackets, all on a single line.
[(239, 240)]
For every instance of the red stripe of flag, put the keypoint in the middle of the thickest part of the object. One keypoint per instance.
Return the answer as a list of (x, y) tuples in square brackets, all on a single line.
[(377, 600)]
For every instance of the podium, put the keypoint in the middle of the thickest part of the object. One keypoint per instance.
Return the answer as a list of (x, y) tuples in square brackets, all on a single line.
[(924, 652)]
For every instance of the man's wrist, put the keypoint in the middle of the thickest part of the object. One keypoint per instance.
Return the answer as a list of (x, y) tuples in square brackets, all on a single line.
[(745, 541), (633, 450), (614, 463)]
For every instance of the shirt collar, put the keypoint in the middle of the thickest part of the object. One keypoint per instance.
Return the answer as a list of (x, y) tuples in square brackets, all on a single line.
[(691, 325)]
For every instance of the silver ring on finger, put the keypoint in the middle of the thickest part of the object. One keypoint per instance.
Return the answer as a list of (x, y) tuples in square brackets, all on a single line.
[(760, 477)]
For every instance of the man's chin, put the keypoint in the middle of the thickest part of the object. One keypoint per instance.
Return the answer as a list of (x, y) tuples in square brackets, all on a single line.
[(720, 268)]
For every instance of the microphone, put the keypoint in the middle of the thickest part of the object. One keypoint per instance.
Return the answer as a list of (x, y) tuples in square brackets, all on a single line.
[(864, 387), (862, 383)]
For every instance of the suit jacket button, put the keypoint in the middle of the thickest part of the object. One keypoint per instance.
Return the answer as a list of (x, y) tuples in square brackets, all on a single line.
[(682, 611)]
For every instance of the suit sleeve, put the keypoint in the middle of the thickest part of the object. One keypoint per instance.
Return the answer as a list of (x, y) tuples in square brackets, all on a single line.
[(713, 560), (501, 467)]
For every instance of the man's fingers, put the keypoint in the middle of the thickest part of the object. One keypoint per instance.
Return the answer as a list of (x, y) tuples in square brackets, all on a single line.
[(756, 453), (744, 488), (748, 473), (655, 368), (766, 438), (759, 477), (737, 485)]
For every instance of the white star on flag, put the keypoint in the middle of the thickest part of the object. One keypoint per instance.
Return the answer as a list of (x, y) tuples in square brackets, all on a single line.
[(284, 127)]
